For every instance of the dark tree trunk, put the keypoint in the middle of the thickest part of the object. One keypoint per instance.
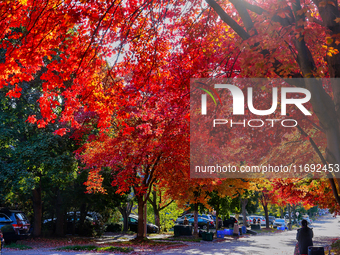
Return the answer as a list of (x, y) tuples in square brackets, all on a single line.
[(140, 230), (282, 213), (289, 215), (157, 218), (244, 203), (83, 212), (74, 222), (155, 208), (125, 211), (294, 213), (196, 220), (37, 209), (60, 215), (217, 214), (265, 208)]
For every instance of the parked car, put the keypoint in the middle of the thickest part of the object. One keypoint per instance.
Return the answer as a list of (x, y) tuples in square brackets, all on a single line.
[(220, 222), (72, 223), (240, 220), (203, 221), (279, 223), (1, 241), (271, 220), (14, 225), (133, 225), (208, 216), (251, 220), (229, 223), (180, 220)]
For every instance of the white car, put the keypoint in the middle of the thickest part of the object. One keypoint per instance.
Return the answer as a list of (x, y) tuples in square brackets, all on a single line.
[(251, 220)]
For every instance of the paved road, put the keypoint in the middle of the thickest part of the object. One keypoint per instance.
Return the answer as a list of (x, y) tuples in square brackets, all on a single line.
[(283, 243), (324, 229)]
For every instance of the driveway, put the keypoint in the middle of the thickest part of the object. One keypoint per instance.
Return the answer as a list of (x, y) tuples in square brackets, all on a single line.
[(325, 229)]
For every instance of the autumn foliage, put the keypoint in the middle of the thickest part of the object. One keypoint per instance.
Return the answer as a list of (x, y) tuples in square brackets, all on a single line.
[(118, 74)]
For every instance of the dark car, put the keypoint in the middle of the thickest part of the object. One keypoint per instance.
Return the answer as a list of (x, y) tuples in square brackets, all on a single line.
[(73, 224), (229, 223), (203, 221), (14, 225), (133, 225), (1, 241), (220, 222)]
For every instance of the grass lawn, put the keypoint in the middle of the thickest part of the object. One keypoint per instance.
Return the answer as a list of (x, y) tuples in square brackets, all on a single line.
[(17, 246)]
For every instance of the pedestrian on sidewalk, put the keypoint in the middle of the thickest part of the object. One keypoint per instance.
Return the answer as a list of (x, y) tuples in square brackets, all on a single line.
[(304, 237)]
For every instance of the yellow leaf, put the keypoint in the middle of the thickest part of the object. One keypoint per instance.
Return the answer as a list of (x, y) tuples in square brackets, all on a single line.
[(23, 2)]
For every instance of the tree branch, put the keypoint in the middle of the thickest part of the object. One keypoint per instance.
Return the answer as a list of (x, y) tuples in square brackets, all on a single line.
[(324, 162), (228, 20)]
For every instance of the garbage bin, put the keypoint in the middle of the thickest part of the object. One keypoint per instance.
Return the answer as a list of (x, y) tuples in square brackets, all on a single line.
[(244, 229), (182, 230), (220, 234), (255, 227), (207, 236), (316, 250), (228, 232)]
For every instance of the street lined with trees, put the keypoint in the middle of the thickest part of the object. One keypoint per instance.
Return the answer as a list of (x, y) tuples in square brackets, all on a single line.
[(95, 106)]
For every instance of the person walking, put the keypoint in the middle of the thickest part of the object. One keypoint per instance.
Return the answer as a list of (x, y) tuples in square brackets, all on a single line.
[(304, 237)]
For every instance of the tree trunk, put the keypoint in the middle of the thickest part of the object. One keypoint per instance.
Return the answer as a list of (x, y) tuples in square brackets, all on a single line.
[(37, 209), (157, 218), (217, 214), (282, 213), (155, 208), (289, 215), (60, 215), (83, 212), (244, 203), (265, 208), (294, 213), (196, 220), (125, 211), (74, 222), (140, 230)]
